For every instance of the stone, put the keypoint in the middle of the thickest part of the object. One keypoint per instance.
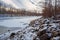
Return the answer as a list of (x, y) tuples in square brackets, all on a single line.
[(44, 37)]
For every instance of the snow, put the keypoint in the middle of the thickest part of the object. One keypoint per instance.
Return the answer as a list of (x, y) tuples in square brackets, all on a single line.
[(18, 22), (56, 38), (48, 25), (29, 32)]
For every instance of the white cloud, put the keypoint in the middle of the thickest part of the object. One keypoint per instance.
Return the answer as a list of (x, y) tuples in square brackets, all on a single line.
[(22, 3), (29, 5), (10, 2)]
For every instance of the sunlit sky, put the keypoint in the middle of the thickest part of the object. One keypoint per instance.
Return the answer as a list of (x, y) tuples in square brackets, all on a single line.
[(22, 3)]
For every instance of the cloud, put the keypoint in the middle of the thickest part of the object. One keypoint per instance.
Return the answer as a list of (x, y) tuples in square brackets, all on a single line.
[(10, 2), (29, 5), (26, 4)]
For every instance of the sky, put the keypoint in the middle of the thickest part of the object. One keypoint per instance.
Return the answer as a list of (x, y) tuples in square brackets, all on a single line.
[(25, 4)]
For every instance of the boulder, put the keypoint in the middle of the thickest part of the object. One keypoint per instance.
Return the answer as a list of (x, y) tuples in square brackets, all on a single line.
[(54, 33), (39, 33), (44, 37)]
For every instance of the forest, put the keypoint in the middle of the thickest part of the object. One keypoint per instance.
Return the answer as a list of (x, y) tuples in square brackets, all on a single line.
[(17, 12), (52, 9)]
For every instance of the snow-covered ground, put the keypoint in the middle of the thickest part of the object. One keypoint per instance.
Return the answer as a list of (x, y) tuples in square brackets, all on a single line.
[(39, 29), (22, 22), (47, 29)]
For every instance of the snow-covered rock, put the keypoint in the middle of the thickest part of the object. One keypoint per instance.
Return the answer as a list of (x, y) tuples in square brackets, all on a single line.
[(39, 29), (48, 29)]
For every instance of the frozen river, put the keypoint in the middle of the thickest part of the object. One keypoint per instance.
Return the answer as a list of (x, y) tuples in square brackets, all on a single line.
[(20, 22), (16, 21)]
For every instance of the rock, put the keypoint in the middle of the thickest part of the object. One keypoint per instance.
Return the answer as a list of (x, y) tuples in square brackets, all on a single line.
[(44, 37), (32, 23), (54, 33), (36, 38), (50, 29), (55, 38), (41, 27), (12, 35), (41, 33), (58, 33)]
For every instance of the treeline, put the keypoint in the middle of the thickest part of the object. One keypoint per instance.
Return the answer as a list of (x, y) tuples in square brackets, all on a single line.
[(51, 10), (17, 12)]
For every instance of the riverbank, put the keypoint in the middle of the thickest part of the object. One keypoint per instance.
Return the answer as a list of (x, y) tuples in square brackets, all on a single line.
[(46, 29), (38, 29), (23, 23)]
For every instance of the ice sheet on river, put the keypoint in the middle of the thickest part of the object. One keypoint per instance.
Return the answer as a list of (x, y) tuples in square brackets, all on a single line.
[(17, 22)]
